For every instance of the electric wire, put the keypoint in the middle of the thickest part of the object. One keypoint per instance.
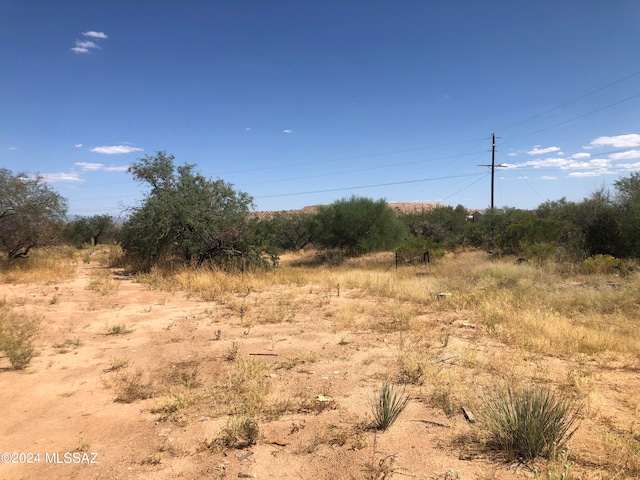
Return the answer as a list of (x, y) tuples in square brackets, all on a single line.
[(367, 186), (569, 102)]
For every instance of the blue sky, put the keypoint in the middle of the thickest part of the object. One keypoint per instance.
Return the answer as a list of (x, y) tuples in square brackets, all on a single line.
[(304, 102)]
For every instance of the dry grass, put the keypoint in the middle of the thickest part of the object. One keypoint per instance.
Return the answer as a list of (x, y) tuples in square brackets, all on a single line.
[(43, 266), (499, 321)]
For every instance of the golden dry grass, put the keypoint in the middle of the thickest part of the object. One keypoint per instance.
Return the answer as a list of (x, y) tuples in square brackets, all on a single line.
[(44, 266), (447, 331)]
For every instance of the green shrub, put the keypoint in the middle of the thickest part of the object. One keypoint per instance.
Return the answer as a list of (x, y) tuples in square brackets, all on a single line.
[(531, 421)]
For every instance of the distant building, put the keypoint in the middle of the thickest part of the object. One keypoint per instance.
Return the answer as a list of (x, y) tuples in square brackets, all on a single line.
[(475, 216)]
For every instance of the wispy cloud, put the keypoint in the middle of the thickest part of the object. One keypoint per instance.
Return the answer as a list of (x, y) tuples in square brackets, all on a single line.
[(541, 151), (628, 155), (548, 177), (95, 167), (629, 166), (13, 149), (618, 141), (61, 177), (116, 149), (288, 130), (78, 145), (85, 46), (580, 155), (600, 165), (589, 173), (94, 34)]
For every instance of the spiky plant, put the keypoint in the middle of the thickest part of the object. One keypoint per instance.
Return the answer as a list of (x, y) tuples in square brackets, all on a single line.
[(389, 404), (530, 421)]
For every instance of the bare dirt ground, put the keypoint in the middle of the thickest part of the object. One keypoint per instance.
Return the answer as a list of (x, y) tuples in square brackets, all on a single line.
[(65, 400)]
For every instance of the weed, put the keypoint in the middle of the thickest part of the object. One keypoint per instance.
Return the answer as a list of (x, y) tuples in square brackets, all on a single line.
[(16, 338), (239, 432), (118, 363), (131, 388), (119, 329), (173, 406), (380, 466), (622, 450), (232, 352), (66, 345), (560, 470), (292, 360), (83, 446), (184, 374), (389, 404), (530, 421)]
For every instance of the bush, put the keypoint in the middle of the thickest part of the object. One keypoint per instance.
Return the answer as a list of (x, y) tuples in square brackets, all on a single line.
[(16, 339), (531, 421), (358, 225)]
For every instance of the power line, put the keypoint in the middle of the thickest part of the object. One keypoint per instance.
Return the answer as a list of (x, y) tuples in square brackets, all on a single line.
[(576, 118), (368, 186), (355, 157), (570, 102), (360, 169)]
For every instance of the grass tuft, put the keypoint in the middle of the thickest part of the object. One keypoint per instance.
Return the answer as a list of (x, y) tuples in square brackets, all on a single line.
[(531, 421), (389, 404), (118, 329), (239, 432)]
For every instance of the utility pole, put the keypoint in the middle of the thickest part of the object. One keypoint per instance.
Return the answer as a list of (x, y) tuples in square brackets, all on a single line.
[(493, 166)]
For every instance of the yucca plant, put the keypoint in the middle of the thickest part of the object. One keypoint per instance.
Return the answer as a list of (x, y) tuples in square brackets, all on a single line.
[(530, 421), (389, 404)]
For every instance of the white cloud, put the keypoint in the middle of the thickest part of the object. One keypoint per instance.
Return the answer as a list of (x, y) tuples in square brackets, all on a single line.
[(628, 155), (546, 163), (78, 145), (116, 149), (512, 154), (597, 165), (589, 173), (288, 130), (629, 166), (618, 141), (542, 151), (578, 156), (548, 177), (61, 177), (94, 167), (591, 164), (12, 148), (94, 34), (84, 46)]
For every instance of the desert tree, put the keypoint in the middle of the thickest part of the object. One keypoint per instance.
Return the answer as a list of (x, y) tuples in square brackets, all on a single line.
[(90, 230), (288, 231), (30, 213), (188, 217)]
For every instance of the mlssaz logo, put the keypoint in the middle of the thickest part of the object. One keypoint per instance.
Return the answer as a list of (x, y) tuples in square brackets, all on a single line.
[(67, 458)]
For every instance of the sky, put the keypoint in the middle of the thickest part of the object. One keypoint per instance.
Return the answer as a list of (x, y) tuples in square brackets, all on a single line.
[(306, 102)]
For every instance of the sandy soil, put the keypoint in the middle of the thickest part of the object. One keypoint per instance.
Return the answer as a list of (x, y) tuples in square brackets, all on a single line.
[(64, 402)]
